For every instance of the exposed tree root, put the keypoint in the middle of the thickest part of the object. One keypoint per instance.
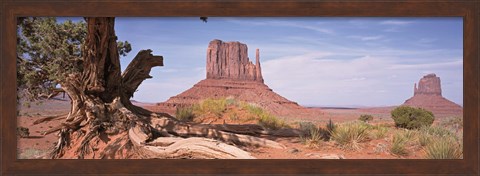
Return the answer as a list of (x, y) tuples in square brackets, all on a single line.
[(49, 118), (252, 129), (176, 147), (63, 141), (159, 137)]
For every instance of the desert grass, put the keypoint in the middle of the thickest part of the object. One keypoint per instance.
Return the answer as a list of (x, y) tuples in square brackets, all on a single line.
[(444, 148), (436, 131), (410, 135), (313, 136), (220, 107), (252, 108), (31, 153), (403, 140), (269, 121), (185, 114), (330, 126), (452, 121), (304, 126), (454, 124), (398, 146), (424, 139), (231, 101), (234, 116), (350, 135), (379, 132), (211, 106), (263, 118), (440, 143)]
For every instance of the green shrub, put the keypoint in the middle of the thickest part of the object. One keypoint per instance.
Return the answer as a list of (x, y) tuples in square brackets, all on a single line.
[(412, 118), (444, 148), (184, 114), (23, 132), (398, 145), (350, 135), (365, 118)]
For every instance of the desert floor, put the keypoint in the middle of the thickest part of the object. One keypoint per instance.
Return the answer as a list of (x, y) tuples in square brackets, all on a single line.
[(36, 145)]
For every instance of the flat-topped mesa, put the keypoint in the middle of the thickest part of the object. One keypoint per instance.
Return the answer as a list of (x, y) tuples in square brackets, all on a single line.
[(428, 85), (229, 60), (428, 95)]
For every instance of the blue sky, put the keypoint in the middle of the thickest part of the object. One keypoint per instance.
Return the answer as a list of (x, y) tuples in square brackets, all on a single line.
[(313, 61)]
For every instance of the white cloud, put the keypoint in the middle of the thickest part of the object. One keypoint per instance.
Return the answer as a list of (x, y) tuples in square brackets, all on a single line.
[(431, 66), (425, 42), (284, 24), (314, 79), (357, 79), (395, 25), (321, 67), (396, 22), (366, 38)]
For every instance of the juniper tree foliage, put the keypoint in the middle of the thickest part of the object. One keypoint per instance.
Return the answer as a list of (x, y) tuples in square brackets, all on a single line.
[(48, 51)]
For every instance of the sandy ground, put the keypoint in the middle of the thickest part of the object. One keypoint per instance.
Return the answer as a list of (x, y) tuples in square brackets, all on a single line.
[(37, 145)]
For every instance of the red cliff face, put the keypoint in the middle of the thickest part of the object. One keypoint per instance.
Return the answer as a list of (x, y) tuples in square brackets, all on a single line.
[(229, 60), (231, 74), (428, 95)]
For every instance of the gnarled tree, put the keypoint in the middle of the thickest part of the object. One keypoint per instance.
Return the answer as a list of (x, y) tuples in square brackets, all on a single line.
[(103, 123)]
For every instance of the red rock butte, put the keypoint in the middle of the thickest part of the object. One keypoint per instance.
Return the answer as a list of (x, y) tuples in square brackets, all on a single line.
[(231, 74), (428, 95), (229, 60)]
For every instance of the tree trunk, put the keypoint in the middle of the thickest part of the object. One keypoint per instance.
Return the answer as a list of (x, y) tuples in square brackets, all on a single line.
[(103, 123)]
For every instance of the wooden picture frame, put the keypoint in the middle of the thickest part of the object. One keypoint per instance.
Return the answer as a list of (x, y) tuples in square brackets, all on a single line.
[(469, 10)]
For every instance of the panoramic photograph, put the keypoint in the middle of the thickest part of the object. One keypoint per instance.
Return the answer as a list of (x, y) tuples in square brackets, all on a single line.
[(239, 88)]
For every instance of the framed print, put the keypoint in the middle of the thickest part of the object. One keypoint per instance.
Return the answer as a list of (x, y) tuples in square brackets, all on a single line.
[(290, 87)]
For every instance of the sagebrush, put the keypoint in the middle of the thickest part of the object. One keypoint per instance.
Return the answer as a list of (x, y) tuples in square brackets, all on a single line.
[(411, 117)]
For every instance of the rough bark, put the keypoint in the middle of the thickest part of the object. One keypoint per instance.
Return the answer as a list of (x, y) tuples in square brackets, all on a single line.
[(101, 73), (101, 110)]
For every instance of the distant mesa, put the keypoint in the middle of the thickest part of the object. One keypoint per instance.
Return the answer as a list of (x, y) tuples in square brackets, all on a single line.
[(428, 95), (230, 73), (428, 85)]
